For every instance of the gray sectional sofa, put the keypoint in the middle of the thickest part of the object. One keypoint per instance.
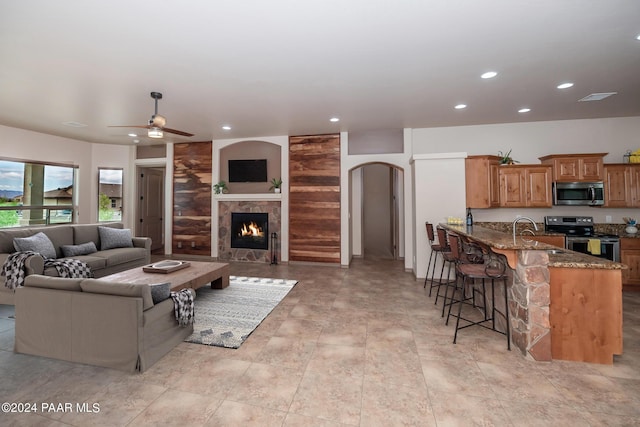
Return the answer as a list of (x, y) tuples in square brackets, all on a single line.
[(115, 325), (75, 238)]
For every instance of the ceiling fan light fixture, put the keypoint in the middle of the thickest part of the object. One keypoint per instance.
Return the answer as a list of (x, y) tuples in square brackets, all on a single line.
[(155, 132)]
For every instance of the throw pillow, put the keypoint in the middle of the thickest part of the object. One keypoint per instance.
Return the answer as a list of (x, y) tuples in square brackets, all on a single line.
[(39, 243), (160, 291), (69, 251), (114, 238)]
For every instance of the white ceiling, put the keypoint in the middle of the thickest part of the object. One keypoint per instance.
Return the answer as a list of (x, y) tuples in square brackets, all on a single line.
[(284, 67)]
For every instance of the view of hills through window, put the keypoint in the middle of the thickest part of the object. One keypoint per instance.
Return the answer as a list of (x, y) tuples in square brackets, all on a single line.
[(26, 185)]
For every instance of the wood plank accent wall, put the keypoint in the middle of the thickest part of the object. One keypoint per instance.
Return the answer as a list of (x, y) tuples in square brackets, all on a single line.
[(192, 198), (314, 198)]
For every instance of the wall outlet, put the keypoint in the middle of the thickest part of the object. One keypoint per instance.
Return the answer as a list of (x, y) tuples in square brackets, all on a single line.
[(608, 219)]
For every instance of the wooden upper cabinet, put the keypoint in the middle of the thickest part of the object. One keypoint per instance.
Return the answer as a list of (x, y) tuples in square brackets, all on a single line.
[(482, 181), (622, 185), (576, 167), (525, 185)]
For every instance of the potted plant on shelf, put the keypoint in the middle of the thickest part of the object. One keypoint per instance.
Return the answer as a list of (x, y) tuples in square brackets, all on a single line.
[(506, 159), (275, 184), (220, 187)]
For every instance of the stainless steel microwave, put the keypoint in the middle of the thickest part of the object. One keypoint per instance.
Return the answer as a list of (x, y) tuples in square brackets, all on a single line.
[(578, 193)]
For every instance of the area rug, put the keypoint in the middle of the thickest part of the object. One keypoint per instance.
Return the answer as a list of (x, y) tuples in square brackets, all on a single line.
[(226, 317)]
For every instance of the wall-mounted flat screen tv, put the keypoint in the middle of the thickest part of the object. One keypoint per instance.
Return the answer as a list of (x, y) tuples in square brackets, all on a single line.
[(248, 170)]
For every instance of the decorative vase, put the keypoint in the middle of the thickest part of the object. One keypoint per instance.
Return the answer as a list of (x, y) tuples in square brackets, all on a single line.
[(276, 190), (631, 229)]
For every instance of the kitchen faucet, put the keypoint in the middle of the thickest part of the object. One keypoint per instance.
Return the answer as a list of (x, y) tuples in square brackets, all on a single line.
[(515, 223)]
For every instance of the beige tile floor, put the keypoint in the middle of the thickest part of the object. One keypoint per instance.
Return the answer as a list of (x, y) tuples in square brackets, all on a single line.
[(362, 346)]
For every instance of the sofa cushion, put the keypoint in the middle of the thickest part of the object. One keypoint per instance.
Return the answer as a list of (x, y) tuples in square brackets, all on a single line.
[(38, 281), (93, 261), (39, 243), (7, 236), (160, 291), (121, 255), (83, 233), (59, 235), (97, 286), (114, 238), (69, 251)]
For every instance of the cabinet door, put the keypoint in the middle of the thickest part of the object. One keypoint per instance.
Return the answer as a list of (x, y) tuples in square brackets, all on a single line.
[(591, 169), (567, 169), (550, 240), (482, 183), (634, 187), (512, 187), (538, 182), (617, 190), (494, 179)]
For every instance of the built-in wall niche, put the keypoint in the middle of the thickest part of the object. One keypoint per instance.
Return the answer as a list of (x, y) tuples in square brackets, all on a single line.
[(251, 150)]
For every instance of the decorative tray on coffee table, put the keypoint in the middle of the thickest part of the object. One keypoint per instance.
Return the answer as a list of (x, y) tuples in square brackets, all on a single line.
[(166, 266)]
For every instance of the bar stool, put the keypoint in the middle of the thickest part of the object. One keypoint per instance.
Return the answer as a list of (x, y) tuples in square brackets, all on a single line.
[(436, 249), (448, 260), (494, 269)]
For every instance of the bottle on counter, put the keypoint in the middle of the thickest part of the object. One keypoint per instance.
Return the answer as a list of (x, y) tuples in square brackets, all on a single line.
[(469, 218)]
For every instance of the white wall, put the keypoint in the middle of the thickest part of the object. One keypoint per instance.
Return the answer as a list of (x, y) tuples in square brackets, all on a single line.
[(21, 144), (438, 180), (535, 139)]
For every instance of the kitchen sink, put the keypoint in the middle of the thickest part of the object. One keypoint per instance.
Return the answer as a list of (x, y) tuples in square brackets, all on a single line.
[(556, 251)]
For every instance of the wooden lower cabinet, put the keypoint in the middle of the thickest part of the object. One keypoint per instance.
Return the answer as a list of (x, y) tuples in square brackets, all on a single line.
[(550, 240), (585, 314), (630, 256), (525, 186)]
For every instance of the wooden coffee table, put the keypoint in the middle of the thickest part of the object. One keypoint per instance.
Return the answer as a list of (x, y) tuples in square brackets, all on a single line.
[(197, 275)]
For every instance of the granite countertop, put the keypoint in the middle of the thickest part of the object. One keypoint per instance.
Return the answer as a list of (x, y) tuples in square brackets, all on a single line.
[(504, 241)]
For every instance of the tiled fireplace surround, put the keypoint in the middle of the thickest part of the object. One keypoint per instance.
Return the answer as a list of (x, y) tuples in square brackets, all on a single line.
[(225, 251)]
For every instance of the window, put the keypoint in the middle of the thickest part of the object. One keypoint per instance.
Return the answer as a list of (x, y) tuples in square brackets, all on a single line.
[(110, 194), (33, 193)]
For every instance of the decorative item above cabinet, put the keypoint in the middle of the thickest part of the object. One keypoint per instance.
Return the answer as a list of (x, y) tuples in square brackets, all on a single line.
[(576, 167)]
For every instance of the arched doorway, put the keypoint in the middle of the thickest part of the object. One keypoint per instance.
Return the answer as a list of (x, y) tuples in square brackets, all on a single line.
[(377, 209)]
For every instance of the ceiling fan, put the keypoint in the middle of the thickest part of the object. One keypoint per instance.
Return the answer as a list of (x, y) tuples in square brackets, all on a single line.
[(156, 128)]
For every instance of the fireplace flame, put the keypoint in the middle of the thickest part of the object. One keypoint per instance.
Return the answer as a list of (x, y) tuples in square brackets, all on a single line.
[(251, 229)]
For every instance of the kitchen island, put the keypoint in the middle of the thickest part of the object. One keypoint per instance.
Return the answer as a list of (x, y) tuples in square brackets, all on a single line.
[(563, 304)]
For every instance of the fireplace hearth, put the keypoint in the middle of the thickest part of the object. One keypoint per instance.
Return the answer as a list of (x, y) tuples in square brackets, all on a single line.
[(250, 230)]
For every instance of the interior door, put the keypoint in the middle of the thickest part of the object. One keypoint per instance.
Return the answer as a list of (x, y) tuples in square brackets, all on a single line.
[(151, 199)]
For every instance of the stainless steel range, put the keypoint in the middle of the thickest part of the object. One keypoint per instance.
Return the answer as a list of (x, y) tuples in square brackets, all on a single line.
[(580, 236)]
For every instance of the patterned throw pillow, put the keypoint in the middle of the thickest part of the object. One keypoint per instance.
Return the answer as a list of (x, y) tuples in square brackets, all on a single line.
[(160, 292), (69, 251), (39, 243), (114, 238)]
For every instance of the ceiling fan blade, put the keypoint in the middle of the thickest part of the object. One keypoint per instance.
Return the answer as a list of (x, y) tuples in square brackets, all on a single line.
[(132, 126), (177, 132)]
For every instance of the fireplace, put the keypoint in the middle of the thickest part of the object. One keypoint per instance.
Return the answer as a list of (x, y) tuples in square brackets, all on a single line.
[(250, 230)]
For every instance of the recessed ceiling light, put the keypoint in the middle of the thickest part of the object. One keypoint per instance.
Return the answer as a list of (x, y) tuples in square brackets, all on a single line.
[(136, 141), (74, 124), (524, 110), (460, 106), (132, 134), (638, 37), (565, 85), (489, 75), (334, 119), (597, 96), (226, 127)]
